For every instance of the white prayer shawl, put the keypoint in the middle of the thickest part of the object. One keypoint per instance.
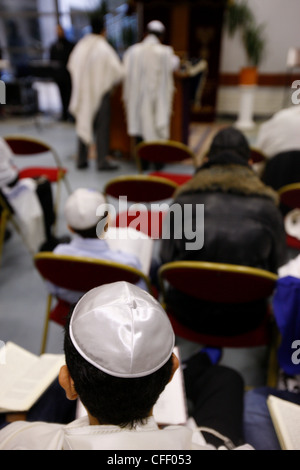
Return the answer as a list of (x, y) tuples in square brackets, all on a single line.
[(281, 133), (148, 89), (80, 435), (23, 199), (28, 212), (95, 69)]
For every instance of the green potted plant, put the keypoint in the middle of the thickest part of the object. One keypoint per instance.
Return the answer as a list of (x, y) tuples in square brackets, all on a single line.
[(240, 19)]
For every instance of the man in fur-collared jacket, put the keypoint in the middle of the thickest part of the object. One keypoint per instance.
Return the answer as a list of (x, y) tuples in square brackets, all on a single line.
[(242, 225)]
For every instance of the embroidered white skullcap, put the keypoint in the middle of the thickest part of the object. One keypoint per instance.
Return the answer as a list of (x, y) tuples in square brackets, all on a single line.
[(156, 26), (122, 330), (84, 208), (292, 223)]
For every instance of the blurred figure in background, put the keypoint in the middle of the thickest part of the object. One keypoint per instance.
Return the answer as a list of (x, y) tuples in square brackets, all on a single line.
[(95, 70), (60, 52), (280, 133), (149, 85)]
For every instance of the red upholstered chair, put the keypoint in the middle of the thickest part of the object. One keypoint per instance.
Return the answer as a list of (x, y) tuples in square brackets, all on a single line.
[(257, 156), (290, 197), (141, 189), (223, 283), (79, 274), (25, 146), (167, 152)]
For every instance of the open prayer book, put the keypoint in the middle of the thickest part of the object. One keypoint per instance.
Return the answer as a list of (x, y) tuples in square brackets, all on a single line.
[(286, 420), (24, 377), (131, 241), (171, 406)]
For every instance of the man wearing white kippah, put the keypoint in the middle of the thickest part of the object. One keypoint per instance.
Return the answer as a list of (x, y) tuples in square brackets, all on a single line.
[(87, 215), (119, 358), (149, 85)]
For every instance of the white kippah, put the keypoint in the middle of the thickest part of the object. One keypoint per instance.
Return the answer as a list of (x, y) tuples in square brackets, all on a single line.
[(84, 208), (156, 26), (122, 330)]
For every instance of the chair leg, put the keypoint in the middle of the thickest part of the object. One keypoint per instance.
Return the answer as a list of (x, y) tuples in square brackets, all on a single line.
[(46, 324), (273, 366), (3, 220), (67, 184)]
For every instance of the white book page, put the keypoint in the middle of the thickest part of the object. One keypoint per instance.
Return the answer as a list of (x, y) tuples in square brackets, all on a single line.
[(131, 241), (25, 377), (286, 419), (171, 406)]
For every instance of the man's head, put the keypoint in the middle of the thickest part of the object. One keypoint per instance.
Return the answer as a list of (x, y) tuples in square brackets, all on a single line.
[(157, 28), (97, 24), (232, 141), (118, 347), (84, 210)]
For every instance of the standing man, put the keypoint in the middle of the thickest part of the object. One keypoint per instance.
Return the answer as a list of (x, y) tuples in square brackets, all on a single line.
[(60, 52), (149, 85), (95, 69)]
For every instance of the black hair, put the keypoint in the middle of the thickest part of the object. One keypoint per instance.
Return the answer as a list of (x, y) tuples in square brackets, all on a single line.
[(95, 231), (114, 400), (97, 23), (156, 33)]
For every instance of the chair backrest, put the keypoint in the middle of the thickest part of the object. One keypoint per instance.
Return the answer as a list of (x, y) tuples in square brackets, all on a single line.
[(140, 188), (290, 195), (165, 151), (82, 274), (257, 156), (25, 146), (217, 282)]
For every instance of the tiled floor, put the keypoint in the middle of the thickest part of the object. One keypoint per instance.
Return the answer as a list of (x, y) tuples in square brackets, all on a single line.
[(22, 291)]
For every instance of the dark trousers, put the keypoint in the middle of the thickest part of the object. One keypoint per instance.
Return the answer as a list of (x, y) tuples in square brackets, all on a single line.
[(65, 90), (102, 134), (44, 193), (216, 398)]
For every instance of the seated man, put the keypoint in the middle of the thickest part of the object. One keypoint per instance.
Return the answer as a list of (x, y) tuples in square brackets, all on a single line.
[(119, 358), (31, 201), (280, 133), (86, 226), (242, 225)]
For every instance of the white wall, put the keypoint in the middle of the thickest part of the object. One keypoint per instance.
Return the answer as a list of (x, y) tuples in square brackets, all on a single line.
[(282, 30)]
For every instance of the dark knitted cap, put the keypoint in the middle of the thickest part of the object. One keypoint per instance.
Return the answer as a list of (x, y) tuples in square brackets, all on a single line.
[(230, 140)]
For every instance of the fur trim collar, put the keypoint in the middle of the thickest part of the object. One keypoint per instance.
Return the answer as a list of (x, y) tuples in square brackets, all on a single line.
[(229, 178)]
